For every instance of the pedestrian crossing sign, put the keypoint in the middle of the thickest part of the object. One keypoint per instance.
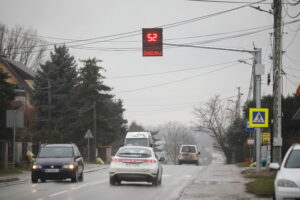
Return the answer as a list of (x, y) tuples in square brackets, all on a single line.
[(258, 117)]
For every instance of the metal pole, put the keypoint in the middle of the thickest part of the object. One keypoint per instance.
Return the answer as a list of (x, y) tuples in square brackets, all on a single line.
[(88, 149), (14, 139), (258, 105), (49, 105), (277, 61), (95, 130)]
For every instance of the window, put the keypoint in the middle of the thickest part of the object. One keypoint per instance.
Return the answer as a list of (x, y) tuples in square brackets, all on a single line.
[(134, 153), (293, 160), (137, 142), (56, 152), (188, 149)]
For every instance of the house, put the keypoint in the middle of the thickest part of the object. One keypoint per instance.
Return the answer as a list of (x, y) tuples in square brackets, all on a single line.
[(23, 79)]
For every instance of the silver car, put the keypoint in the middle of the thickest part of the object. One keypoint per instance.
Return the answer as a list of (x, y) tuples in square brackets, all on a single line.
[(135, 163)]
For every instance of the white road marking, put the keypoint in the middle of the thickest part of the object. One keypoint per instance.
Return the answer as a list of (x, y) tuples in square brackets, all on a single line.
[(58, 193), (188, 176), (166, 175), (97, 182), (80, 186), (40, 199)]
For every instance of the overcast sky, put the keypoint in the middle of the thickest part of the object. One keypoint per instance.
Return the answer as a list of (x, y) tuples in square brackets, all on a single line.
[(156, 90)]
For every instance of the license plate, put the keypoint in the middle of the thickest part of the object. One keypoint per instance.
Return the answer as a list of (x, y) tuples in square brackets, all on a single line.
[(51, 170)]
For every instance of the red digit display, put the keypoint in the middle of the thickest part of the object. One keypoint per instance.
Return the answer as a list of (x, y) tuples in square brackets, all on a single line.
[(152, 42), (152, 37)]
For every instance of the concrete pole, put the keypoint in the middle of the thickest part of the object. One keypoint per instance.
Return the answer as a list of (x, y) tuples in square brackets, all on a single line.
[(277, 82), (258, 105)]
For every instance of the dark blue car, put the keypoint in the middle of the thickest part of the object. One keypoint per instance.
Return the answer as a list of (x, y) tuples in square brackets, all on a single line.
[(58, 162)]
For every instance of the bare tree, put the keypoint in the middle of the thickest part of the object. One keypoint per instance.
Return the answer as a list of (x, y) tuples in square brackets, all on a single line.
[(174, 135), (214, 117), (22, 45)]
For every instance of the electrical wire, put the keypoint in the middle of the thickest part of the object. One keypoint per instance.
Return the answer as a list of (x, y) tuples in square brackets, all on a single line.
[(172, 71), (137, 32), (287, 11), (234, 2), (176, 81)]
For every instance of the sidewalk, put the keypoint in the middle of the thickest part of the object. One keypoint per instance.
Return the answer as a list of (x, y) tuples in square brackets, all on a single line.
[(14, 178), (219, 182)]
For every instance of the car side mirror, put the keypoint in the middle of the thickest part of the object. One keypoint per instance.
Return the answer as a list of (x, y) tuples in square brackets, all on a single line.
[(162, 159), (199, 153), (274, 166)]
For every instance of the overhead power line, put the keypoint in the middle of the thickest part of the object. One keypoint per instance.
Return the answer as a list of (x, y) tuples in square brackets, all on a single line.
[(176, 81), (172, 71), (137, 32)]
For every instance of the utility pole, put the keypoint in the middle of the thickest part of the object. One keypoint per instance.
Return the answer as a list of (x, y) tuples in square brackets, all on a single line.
[(277, 83), (95, 130), (49, 105), (259, 70)]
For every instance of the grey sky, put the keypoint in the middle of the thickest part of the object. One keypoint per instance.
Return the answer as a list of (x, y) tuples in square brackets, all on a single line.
[(79, 19)]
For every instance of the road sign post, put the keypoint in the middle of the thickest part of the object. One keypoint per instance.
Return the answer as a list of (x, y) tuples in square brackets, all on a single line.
[(258, 117), (88, 135)]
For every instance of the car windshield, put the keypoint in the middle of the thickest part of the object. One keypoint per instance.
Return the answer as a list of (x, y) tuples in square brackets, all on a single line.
[(136, 142), (134, 153), (293, 160), (56, 152), (188, 149)]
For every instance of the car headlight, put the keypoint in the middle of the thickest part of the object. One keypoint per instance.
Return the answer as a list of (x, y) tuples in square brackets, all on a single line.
[(69, 166), (286, 183), (36, 166)]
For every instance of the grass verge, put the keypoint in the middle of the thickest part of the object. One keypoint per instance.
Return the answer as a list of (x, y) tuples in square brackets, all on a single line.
[(262, 184), (261, 187), (10, 171), (243, 164)]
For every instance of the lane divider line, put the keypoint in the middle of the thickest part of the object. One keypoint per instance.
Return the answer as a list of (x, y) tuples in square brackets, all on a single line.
[(58, 193)]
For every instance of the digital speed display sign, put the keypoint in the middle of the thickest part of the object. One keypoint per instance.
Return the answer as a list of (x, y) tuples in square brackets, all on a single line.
[(152, 42)]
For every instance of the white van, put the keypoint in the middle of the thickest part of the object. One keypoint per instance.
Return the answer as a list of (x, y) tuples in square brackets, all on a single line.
[(138, 139)]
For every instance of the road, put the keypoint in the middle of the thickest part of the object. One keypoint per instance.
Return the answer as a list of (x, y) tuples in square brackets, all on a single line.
[(96, 186)]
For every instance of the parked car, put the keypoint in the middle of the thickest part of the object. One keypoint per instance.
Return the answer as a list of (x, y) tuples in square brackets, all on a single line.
[(287, 182), (57, 162), (188, 154), (136, 163)]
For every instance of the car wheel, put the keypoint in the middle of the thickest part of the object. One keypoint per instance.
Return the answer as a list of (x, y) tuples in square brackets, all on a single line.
[(111, 181), (81, 177), (155, 181), (179, 163), (160, 180), (75, 177), (34, 179), (43, 180), (197, 163)]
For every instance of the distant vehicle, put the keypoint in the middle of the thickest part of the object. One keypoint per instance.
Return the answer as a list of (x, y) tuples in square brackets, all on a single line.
[(287, 182), (133, 163), (188, 154), (57, 162), (138, 139)]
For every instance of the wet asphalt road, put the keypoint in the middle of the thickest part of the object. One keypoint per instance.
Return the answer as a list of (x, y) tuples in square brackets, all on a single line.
[(96, 186)]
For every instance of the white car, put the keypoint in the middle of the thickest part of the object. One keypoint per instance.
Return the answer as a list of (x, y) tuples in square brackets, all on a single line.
[(287, 182), (136, 163)]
